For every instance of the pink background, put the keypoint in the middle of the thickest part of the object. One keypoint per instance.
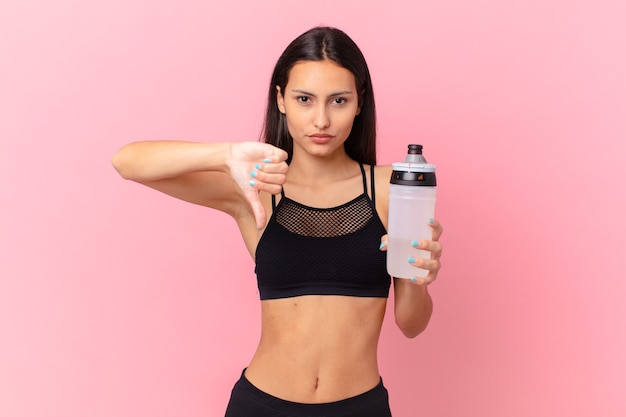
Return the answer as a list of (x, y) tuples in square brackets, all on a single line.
[(118, 301)]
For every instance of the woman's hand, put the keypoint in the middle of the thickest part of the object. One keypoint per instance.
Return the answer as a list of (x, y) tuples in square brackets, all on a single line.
[(433, 246), (257, 166)]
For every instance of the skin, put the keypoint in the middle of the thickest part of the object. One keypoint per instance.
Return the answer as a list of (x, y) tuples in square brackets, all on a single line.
[(313, 349)]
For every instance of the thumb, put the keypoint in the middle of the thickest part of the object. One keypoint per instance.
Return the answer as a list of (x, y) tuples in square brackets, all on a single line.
[(257, 208)]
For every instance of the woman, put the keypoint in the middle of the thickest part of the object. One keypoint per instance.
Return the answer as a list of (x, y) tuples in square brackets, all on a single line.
[(312, 209)]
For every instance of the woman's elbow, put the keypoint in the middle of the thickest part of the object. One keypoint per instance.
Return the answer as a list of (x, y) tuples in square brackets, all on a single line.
[(412, 330), (413, 320), (121, 163)]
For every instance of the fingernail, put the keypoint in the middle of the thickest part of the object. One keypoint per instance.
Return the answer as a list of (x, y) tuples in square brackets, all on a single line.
[(413, 279), (431, 221), (415, 243), (267, 160), (258, 166), (382, 245), (411, 259), (252, 183), (253, 174)]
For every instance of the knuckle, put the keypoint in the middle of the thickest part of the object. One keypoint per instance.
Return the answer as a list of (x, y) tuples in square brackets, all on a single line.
[(437, 265), (274, 188)]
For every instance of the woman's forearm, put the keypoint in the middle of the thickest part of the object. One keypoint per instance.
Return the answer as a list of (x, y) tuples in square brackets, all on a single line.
[(413, 307), (156, 160)]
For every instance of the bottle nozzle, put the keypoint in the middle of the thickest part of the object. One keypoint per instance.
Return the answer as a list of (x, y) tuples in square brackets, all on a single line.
[(414, 155)]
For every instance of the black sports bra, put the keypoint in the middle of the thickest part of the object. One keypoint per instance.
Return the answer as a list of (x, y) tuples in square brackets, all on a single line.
[(323, 251)]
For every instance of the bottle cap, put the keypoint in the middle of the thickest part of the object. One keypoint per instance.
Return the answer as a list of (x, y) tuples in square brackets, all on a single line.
[(415, 170)]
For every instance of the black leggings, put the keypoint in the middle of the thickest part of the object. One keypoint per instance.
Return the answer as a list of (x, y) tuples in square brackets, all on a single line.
[(247, 400)]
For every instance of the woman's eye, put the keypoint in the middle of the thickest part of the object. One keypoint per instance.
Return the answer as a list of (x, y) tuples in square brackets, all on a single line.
[(303, 99), (339, 100)]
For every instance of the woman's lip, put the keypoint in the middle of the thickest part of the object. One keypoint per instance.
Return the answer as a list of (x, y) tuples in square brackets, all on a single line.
[(320, 138)]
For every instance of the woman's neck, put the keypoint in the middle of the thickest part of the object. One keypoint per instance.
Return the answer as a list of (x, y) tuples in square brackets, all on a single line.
[(312, 170)]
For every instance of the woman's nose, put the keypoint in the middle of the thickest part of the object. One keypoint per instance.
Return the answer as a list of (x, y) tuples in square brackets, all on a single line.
[(322, 120)]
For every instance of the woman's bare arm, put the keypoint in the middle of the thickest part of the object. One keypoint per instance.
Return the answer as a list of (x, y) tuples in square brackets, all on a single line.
[(223, 176)]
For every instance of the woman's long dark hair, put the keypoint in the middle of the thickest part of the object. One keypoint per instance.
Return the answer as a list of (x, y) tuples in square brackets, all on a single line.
[(319, 44)]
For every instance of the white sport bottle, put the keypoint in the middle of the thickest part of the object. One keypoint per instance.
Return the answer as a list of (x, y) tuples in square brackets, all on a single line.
[(411, 206)]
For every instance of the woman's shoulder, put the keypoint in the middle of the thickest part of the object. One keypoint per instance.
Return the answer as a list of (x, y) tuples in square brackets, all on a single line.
[(382, 174), (384, 169)]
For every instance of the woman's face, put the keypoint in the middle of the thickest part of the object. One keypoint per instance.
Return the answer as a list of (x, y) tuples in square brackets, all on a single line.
[(320, 103)]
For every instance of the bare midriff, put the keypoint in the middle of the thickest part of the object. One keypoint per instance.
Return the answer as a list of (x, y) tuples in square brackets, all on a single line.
[(318, 349)]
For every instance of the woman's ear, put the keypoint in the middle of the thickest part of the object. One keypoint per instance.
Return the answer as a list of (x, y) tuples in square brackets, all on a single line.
[(280, 100)]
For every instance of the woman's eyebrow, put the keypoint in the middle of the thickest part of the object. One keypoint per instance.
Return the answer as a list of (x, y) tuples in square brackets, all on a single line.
[(307, 93)]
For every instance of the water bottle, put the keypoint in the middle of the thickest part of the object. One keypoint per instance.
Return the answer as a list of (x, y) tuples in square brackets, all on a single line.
[(411, 205)]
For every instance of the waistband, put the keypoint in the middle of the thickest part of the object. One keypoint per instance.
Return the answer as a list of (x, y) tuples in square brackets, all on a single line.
[(376, 396)]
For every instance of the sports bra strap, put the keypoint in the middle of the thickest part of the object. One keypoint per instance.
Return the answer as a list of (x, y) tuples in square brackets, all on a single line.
[(364, 179), (372, 184), (282, 195)]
